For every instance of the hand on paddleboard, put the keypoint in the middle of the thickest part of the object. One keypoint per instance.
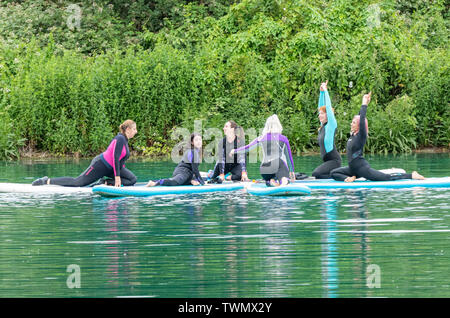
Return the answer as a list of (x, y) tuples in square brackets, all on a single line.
[(292, 174), (117, 181)]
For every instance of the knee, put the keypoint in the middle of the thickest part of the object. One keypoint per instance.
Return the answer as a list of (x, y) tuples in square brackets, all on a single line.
[(334, 172), (133, 179)]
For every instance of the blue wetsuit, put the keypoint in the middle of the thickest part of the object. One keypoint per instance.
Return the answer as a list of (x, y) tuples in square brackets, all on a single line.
[(327, 132)]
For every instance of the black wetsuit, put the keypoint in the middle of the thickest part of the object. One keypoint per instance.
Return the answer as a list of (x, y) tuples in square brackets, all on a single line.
[(110, 163), (357, 165), (236, 164), (327, 132), (185, 171)]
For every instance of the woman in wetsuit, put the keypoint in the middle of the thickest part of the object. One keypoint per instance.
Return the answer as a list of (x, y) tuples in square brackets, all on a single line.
[(276, 168), (327, 131), (358, 167), (110, 163), (235, 164), (186, 172)]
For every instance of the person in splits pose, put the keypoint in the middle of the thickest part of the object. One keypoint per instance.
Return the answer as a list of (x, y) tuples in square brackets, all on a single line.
[(358, 167)]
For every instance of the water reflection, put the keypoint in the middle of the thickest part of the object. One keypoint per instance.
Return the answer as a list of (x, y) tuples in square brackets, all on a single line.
[(113, 219), (227, 245), (330, 268)]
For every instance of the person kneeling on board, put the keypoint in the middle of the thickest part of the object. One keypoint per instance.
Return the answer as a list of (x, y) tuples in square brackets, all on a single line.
[(186, 172), (110, 164), (236, 164), (358, 167), (327, 131), (275, 169)]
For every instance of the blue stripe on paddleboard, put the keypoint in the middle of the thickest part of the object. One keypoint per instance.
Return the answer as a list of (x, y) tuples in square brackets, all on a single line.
[(405, 183), (290, 189), (142, 191)]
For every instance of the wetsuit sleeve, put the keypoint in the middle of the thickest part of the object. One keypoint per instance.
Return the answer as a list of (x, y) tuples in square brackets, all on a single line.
[(321, 99), (362, 123), (195, 162), (249, 146), (241, 155), (331, 124), (118, 148), (222, 157), (288, 153)]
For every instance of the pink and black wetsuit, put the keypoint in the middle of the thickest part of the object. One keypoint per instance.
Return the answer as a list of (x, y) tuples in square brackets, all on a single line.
[(110, 163), (277, 157)]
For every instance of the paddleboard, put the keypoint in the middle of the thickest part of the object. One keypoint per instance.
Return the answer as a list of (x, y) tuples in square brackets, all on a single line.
[(292, 189), (142, 191), (357, 184), (28, 188)]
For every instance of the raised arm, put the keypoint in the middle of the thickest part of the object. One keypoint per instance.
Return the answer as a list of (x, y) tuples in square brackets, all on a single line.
[(362, 114), (246, 148)]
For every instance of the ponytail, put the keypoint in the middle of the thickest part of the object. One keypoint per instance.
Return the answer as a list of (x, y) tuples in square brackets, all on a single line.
[(126, 124)]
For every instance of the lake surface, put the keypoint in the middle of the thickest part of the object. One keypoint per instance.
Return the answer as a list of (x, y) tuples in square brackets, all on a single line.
[(341, 243)]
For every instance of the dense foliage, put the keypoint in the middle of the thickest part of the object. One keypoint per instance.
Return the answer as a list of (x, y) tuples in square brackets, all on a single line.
[(66, 89)]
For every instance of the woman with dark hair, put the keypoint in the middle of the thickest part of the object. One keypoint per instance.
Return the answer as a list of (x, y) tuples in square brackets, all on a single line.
[(358, 167), (186, 172), (327, 131), (110, 163), (236, 165)]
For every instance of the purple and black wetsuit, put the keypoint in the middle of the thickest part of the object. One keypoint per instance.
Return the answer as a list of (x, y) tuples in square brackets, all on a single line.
[(277, 157), (185, 171), (110, 163)]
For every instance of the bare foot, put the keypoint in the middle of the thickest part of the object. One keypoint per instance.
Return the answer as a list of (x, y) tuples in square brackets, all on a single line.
[(284, 181), (274, 183), (350, 179), (151, 184), (417, 176)]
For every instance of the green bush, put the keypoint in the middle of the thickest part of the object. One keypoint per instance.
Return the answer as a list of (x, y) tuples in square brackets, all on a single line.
[(10, 142), (167, 64), (394, 128)]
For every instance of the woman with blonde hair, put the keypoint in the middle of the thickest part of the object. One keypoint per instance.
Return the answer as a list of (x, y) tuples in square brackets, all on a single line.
[(277, 165), (110, 164)]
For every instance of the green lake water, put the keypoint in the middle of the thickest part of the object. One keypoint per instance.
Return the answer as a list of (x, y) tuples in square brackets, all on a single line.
[(342, 243)]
